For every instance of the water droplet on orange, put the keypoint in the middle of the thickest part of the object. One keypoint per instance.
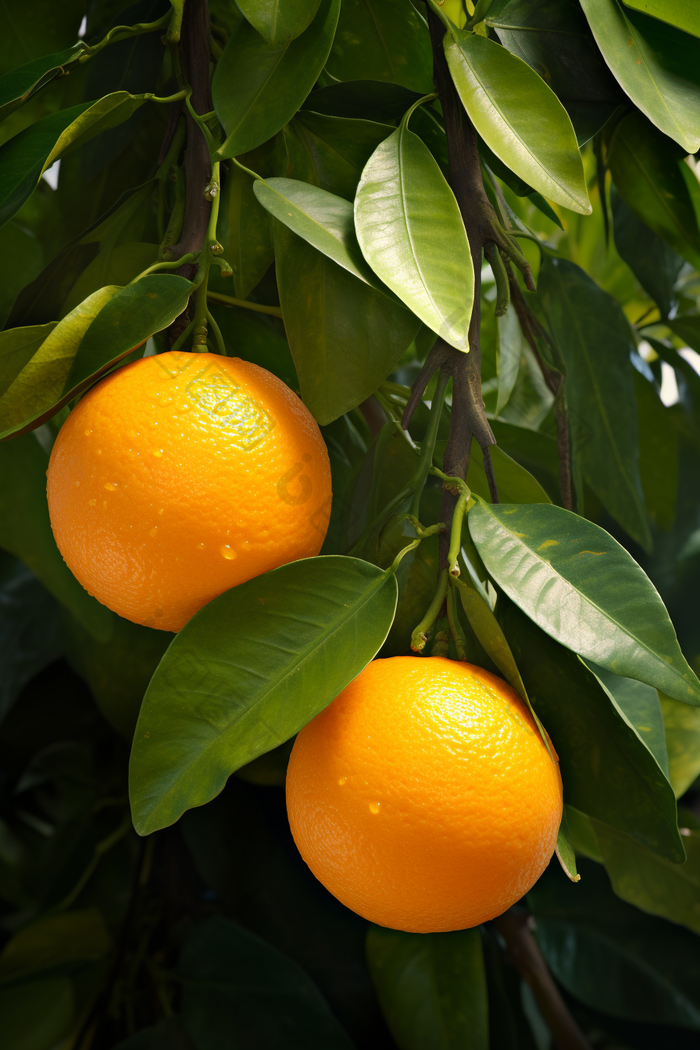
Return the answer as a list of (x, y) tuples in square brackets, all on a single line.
[(227, 552), (88, 433), (200, 546), (157, 452), (110, 486), (374, 808), (342, 781), (153, 531)]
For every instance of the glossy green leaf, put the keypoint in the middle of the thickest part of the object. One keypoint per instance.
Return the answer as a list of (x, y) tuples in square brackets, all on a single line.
[(332, 151), (554, 39), (320, 218), (302, 632), (508, 356), (515, 484), (411, 233), (645, 168), (126, 322), (611, 956), (655, 265), (26, 156), (21, 83), (25, 531), (373, 100), (607, 771), (651, 882), (34, 391), (596, 340), (384, 40), (640, 705), (682, 725), (518, 117), (258, 87), (237, 988), (431, 987), (490, 633), (116, 264), (656, 64), (345, 337), (677, 13), (581, 587), (279, 21)]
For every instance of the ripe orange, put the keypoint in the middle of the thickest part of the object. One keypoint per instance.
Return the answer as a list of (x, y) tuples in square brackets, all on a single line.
[(182, 475), (424, 797)]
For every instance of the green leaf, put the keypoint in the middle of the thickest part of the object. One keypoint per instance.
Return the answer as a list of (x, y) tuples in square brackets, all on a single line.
[(655, 265), (581, 587), (21, 259), (74, 936), (116, 264), (373, 100), (320, 218), (237, 988), (640, 705), (518, 117), (302, 632), (332, 151), (607, 771), (651, 882), (345, 337), (565, 850), (385, 40), (677, 13), (611, 956), (21, 83), (25, 531), (682, 725), (133, 315), (431, 987), (279, 21), (658, 454), (26, 156), (515, 484), (596, 340), (411, 233), (258, 87), (554, 39), (244, 226), (657, 65), (645, 168)]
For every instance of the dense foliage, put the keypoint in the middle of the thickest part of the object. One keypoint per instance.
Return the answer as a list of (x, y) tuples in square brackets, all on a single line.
[(297, 182)]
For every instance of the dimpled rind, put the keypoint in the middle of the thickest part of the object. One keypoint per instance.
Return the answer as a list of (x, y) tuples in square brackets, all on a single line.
[(182, 475), (424, 797)]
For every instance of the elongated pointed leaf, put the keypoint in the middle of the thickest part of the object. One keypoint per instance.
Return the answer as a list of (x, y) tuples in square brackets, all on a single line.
[(104, 328), (655, 265), (322, 219), (21, 83), (682, 732), (565, 850), (656, 64), (581, 587), (607, 771), (247, 673), (595, 339), (646, 169), (519, 117), (677, 13), (25, 531), (431, 987), (345, 336), (279, 21), (331, 151), (382, 40), (258, 87), (412, 235)]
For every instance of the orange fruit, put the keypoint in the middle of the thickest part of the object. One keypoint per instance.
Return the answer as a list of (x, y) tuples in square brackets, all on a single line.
[(424, 797), (182, 475)]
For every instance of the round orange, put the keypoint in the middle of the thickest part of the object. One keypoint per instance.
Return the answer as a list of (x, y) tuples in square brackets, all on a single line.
[(182, 475), (424, 797)]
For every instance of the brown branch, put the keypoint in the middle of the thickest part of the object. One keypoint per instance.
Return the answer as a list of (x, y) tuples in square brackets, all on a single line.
[(468, 418), (195, 56), (524, 953), (555, 380)]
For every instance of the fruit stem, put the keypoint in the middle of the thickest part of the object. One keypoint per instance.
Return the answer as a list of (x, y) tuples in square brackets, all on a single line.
[(420, 635), (427, 448)]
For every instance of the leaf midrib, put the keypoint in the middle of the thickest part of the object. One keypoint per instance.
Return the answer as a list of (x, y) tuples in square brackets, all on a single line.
[(589, 601), (307, 651)]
